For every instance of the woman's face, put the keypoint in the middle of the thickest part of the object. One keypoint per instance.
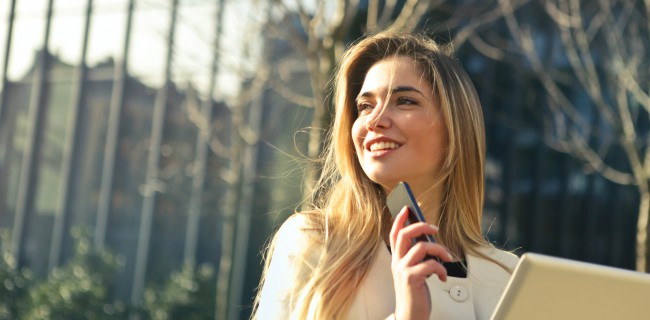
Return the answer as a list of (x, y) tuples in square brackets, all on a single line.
[(399, 134)]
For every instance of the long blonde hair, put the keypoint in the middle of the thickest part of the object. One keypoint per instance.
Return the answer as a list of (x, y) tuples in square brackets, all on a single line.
[(349, 213)]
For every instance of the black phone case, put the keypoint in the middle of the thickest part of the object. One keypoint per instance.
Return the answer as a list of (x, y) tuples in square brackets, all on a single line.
[(402, 196)]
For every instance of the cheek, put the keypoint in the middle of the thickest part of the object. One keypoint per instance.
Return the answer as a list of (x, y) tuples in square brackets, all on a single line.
[(437, 147), (431, 142), (358, 134)]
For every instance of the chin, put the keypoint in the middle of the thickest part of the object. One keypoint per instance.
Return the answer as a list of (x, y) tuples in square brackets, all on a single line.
[(386, 182)]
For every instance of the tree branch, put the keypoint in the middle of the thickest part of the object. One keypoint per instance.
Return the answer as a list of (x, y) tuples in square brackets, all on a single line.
[(412, 10), (580, 148), (295, 98), (482, 19), (486, 49)]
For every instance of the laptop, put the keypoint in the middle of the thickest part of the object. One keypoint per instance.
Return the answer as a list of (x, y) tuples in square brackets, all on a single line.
[(544, 287)]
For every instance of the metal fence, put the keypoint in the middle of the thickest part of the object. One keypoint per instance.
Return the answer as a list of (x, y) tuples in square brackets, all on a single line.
[(116, 137), (91, 144)]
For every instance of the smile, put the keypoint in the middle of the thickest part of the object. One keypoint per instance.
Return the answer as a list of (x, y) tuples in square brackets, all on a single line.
[(383, 145)]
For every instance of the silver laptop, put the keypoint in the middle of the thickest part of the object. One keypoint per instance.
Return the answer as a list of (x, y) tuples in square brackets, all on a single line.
[(544, 287)]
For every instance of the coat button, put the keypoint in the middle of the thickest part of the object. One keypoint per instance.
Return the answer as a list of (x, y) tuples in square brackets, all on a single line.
[(459, 293)]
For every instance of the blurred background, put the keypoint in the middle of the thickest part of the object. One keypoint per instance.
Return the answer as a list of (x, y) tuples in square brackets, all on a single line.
[(149, 148)]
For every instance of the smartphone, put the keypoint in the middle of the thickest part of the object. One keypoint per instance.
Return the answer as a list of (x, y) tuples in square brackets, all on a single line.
[(402, 196)]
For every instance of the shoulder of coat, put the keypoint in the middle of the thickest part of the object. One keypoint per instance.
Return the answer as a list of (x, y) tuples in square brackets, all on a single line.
[(509, 259)]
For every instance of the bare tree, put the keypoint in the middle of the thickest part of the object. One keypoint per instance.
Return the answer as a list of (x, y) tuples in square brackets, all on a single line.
[(323, 32), (601, 51), (242, 156), (317, 37), (320, 38)]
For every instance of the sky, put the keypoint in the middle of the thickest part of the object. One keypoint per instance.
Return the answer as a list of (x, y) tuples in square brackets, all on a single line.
[(195, 31)]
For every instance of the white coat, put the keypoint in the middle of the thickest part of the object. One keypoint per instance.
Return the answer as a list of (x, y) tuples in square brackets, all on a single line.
[(474, 297)]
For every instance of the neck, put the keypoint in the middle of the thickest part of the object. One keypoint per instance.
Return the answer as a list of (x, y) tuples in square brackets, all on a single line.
[(429, 198)]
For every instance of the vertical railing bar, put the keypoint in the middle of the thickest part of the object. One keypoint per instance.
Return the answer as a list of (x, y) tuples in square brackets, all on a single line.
[(200, 163), (244, 215), (5, 64), (33, 140), (153, 161), (6, 139), (559, 242), (509, 213), (112, 135), (71, 145), (539, 175)]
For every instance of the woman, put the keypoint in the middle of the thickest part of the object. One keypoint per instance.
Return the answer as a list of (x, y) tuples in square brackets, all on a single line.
[(404, 111)]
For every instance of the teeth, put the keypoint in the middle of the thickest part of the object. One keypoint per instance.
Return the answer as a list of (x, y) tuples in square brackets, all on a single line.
[(383, 145)]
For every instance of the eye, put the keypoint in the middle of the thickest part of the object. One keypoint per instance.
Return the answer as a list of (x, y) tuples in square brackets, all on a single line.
[(364, 107), (406, 100)]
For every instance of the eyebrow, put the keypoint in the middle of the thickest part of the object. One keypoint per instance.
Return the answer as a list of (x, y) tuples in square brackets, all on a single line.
[(397, 89)]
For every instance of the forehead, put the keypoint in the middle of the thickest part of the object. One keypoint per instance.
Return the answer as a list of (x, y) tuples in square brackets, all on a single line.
[(393, 72)]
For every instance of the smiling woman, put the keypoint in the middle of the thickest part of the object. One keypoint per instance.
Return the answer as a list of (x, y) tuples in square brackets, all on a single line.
[(405, 111), (399, 123)]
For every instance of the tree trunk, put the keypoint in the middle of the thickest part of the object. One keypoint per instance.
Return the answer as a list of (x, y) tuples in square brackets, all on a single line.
[(318, 70), (245, 212), (229, 214), (642, 232)]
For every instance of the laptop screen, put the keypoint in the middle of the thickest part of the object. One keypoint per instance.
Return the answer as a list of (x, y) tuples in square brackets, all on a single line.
[(544, 287)]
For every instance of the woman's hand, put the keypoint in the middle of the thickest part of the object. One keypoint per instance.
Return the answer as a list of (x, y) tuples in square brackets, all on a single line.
[(410, 271)]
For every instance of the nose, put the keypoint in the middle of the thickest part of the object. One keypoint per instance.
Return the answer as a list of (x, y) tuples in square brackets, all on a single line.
[(378, 119)]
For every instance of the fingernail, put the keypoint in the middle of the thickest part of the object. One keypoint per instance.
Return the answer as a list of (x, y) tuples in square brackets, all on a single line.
[(450, 256), (434, 227)]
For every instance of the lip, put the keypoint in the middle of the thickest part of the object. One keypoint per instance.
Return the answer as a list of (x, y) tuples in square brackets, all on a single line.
[(368, 143)]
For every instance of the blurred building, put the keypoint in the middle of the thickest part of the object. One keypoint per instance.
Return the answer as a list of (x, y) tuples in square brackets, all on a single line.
[(177, 159)]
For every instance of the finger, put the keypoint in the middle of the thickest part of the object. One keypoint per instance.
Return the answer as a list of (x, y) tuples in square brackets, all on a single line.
[(403, 241), (428, 268), (418, 229), (398, 224), (406, 235), (421, 249)]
